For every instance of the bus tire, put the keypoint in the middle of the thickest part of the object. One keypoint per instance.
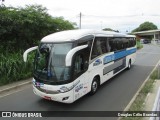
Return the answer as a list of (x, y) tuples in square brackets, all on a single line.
[(94, 86), (129, 65)]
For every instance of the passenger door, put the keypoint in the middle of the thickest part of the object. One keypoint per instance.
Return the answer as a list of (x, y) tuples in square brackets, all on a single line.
[(80, 66)]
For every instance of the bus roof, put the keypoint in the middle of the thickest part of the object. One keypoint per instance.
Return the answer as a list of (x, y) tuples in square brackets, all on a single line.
[(72, 35)]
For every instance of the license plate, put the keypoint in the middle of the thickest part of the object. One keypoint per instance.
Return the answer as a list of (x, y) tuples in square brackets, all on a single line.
[(47, 98)]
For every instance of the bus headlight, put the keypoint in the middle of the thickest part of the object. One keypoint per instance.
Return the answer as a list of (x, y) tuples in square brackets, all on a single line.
[(64, 89)]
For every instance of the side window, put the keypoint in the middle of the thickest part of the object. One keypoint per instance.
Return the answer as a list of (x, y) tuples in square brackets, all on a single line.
[(100, 46), (108, 47), (103, 45), (125, 43), (111, 44), (132, 42), (118, 43), (82, 43), (78, 65), (121, 43), (96, 50), (85, 40), (115, 44)]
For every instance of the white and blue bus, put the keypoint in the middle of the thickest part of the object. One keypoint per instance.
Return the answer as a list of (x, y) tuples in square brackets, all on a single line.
[(70, 64)]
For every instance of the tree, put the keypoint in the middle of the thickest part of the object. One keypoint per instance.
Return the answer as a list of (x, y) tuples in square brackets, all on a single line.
[(109, 29), (61, 24), (145, 26), (21, 28)]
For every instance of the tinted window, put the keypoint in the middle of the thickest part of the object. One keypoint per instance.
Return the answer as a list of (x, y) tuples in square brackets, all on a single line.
[(116, 44), (100, 47), (132, 42), (103, 45), (80, 62), (121, 43), (112, 44), (78, 65), (85, 40), (125, 43)]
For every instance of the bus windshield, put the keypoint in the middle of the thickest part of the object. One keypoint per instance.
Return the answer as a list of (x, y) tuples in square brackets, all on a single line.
[(50, 62)]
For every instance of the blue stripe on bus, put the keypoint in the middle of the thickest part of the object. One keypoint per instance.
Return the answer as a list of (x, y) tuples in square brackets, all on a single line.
[(118, 55)]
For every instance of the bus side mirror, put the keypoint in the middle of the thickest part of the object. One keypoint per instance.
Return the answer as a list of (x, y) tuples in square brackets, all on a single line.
[(70, 54), (25, 54)]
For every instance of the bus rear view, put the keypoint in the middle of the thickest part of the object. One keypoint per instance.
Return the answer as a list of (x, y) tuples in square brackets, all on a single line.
[(66, 66)]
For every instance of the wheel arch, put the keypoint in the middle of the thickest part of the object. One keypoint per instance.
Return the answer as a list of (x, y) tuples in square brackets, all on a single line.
[(98, 78)]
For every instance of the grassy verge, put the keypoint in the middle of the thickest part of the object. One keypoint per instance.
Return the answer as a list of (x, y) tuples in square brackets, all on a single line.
[(12, 67), (139, 45), (138, 104)]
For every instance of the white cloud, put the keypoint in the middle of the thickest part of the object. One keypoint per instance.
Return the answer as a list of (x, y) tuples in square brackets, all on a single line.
[(117, 14)]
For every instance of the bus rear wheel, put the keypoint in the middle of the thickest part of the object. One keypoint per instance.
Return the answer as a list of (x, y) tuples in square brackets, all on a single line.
[(129, 65), (94, 86)]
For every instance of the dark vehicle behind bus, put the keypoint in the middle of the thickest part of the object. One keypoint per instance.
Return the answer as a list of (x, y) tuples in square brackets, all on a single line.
[(145, 41)]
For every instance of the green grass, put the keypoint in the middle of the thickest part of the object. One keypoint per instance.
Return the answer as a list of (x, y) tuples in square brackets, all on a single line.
[(138, 104), (139, 45), (12, 67)]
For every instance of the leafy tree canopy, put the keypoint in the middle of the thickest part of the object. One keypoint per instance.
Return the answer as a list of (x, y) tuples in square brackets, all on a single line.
[(21, 28), (109, 29), (145, 26)]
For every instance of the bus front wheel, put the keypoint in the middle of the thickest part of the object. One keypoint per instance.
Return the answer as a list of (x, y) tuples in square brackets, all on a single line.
[(94, 86)]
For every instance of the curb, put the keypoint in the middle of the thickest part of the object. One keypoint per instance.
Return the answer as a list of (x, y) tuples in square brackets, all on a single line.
[(15, 87), (136, 94)]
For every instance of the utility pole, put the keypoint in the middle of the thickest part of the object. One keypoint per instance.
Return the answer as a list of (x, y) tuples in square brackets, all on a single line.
[(80, 16)]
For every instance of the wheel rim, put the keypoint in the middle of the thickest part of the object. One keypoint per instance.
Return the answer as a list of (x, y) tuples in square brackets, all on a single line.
[(129, 66), (94, 86)]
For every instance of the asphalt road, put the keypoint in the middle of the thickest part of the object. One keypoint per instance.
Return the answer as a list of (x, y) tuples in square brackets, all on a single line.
[(114, 95)]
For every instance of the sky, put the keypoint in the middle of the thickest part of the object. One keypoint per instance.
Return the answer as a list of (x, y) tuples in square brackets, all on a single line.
[(122, 15)]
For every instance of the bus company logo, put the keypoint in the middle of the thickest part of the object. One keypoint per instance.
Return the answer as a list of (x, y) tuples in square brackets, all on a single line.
[(6, 114), (97, 62), (109, 58)]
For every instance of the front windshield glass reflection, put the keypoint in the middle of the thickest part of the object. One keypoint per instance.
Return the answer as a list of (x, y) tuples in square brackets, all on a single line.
[(50, 62)]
